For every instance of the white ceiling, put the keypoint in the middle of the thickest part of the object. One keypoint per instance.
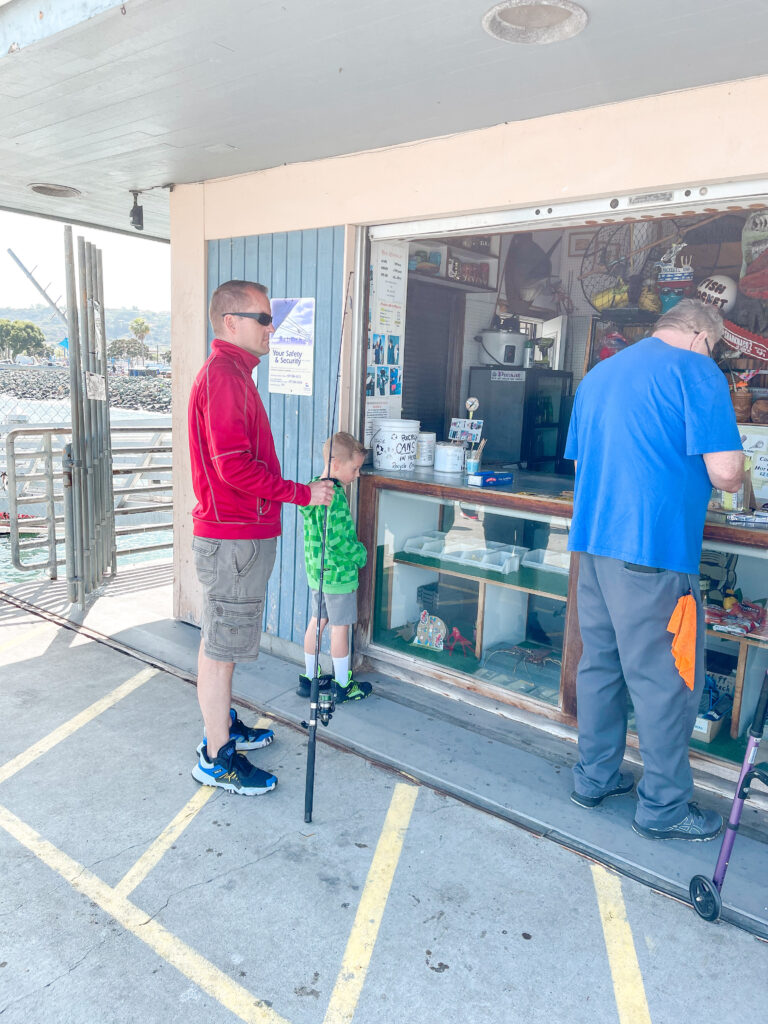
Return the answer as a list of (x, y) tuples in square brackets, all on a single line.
[(184, 90)]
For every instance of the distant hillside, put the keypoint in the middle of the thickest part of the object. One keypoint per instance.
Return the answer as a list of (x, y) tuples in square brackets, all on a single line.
[(117, 324)]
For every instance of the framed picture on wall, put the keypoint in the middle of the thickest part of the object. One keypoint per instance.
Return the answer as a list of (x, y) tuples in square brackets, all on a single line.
[(578, 242)]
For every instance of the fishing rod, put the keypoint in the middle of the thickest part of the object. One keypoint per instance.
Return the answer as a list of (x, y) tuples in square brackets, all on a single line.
[(321, 698)]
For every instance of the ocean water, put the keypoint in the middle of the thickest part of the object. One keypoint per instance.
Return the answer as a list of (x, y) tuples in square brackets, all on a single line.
[(10, 574), (48, 413)]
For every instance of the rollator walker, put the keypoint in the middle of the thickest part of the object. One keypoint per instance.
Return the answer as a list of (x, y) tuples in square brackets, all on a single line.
[(705, 892)]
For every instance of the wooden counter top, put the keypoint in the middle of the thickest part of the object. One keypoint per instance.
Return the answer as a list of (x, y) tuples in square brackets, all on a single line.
[(533, 492)]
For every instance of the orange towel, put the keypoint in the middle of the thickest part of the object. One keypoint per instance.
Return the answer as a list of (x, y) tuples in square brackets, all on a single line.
[(683, 625)]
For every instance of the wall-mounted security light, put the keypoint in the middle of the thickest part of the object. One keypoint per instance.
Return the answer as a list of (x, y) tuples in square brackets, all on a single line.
[(137, 213)]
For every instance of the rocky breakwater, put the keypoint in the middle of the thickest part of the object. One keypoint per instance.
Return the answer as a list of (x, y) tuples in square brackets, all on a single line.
[(150, 394)]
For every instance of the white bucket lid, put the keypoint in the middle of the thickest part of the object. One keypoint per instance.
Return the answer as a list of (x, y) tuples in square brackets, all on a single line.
[(395, 424)]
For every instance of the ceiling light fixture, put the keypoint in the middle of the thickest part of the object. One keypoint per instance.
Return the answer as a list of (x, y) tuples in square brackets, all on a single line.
[(535, 21), (54, 191)]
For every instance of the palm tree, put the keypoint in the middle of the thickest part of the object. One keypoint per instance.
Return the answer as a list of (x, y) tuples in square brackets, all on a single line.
[(139, 328)]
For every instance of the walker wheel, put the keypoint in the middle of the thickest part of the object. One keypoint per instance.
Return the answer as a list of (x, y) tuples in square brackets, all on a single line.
[(705, 898)]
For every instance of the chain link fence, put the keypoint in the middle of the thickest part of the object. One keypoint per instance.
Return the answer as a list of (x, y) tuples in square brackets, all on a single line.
[(34, 394), (39, 395)]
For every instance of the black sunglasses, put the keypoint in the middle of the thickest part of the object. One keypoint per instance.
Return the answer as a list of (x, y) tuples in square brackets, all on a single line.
[(265, 319)]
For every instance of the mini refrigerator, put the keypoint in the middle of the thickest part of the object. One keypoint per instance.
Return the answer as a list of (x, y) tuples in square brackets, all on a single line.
[(525, 416)]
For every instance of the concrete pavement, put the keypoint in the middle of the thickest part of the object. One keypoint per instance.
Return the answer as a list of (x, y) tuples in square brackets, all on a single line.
[(130, 893)]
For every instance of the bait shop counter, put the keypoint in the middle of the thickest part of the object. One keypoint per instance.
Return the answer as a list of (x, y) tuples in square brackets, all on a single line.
[(471, 589), (471, 346)]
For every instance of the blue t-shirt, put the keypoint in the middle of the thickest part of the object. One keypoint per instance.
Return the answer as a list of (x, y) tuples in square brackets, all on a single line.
[(641, 421)]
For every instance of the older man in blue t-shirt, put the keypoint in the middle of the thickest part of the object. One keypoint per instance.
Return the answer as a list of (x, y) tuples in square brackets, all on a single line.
[(652, 431)]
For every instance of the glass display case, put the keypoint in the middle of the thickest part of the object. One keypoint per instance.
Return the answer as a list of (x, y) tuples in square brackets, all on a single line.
[(476, 589), (734, 588), (734, 584), (470, 587)]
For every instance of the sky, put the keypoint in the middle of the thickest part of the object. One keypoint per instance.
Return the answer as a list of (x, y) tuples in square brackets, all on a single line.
[(137, 272)]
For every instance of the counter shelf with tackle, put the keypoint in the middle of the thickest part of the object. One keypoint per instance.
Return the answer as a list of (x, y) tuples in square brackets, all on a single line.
[(734, 583)]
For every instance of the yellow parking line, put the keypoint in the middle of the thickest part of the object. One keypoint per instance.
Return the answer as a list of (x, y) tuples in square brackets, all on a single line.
[(135, 875), (68, 728), (625, 970), (362, 939), (177, 953), (148, 860), (262, 723)]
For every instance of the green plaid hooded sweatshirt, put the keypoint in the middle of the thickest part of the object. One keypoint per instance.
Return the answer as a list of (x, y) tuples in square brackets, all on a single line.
[(344, 554)]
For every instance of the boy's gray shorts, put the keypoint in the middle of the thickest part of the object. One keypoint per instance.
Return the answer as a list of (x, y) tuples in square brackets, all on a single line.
[(233, 575), (339, 609)]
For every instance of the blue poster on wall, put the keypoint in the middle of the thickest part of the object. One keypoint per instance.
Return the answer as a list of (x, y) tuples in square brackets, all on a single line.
[(292, 347)]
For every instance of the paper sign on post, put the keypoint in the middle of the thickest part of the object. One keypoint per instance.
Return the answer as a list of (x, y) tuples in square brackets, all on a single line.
[(95, 387)]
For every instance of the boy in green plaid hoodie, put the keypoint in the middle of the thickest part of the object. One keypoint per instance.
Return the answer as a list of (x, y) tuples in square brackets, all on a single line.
[(344, 555)]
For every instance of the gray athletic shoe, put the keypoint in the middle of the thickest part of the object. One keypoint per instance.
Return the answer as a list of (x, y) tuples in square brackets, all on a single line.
[(697, 827), (626, 785)]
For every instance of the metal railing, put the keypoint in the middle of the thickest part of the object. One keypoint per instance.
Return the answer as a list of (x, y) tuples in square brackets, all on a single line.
[(69, 476), (41, 501)]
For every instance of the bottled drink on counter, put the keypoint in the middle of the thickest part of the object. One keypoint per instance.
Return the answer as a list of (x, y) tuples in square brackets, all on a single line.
[(528, 354)]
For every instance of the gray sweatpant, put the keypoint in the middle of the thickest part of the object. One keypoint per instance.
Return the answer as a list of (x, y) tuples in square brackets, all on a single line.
[(623, 616)]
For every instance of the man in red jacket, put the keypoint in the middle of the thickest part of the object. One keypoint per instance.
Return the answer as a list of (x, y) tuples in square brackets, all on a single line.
[(240, 491)]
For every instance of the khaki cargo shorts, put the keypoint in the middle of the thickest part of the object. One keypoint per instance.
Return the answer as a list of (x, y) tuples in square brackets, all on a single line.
[(233, 575)]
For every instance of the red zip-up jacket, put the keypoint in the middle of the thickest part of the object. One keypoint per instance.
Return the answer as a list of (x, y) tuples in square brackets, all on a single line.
[(235, 471)]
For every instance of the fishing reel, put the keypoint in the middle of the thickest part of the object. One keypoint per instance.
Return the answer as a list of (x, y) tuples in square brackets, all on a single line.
[(326, 702)]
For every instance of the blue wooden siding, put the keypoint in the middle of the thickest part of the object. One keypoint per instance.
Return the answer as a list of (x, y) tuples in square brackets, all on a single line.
[(295, 264)]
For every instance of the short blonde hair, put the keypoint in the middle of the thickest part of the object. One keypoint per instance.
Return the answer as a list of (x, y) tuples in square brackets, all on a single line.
[(345, 446), (231, 297)]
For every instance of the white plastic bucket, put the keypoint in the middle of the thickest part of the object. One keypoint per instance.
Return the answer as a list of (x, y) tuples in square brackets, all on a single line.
[(425, 448), (449, 458), (394, 444)]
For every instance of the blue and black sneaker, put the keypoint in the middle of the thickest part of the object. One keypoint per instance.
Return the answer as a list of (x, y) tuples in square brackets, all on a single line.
[(351, 690), (304, 689), (232, 771), (244, 736)]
